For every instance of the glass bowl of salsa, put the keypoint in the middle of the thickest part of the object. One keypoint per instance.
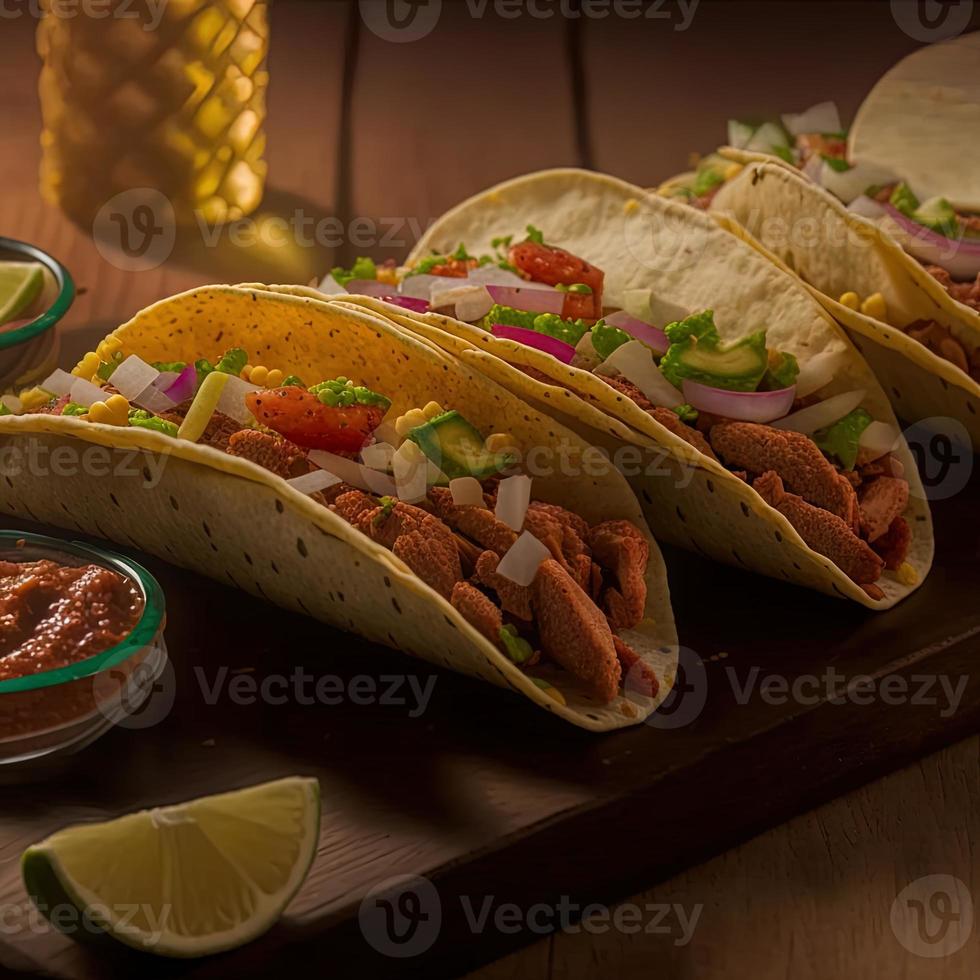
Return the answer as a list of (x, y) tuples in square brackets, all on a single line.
[(28, 337), (81, 643)]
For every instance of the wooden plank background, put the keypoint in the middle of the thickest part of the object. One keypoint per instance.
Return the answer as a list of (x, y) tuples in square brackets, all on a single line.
[(364, 129)]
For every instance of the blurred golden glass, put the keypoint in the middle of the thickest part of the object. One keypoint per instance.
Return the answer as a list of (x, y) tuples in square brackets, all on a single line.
[(166, 94)]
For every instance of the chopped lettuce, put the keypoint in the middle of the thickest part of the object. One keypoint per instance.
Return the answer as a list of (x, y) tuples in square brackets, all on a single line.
[(686, 413), (782, 372), (936, 213), (146, 420), (516, 647), (363, 268), (73, 408), (706, 180), (606, 338), (843, 437), (569, 331)]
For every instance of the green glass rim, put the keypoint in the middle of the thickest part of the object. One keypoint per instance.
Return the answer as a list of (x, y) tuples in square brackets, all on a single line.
[(64, 299), (141, 636)]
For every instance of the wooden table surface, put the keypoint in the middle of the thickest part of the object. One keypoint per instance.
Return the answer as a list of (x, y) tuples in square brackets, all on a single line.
[(385, 136)]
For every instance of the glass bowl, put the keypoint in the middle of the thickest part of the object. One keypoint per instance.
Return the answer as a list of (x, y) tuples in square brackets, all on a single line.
[(63, 710), (29, 352)]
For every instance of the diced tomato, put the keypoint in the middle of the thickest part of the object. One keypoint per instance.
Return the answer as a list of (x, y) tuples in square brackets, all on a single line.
[(303, 419), (454, 268), (554, 266), (829, 146)]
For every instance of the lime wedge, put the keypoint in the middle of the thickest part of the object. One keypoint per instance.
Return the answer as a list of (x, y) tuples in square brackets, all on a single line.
[(20, 286), (185, 880)]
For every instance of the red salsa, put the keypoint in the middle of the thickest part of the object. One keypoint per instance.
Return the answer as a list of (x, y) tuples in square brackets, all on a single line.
[(54, 615)]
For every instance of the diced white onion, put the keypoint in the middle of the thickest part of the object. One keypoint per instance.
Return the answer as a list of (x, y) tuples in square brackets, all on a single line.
[(467, 492), (767, 136), (866, 207), (410, 467), (493, 275), (153, 400), (232, 400), (349, 471), (423, 285), (133, 377), (513, 497), (314, 481), (813, 168), (378, 456), (634, 362), (645, 305), (876, 440), (821, 118), (12, 403), (58, 382), (330, 286), (470, 302), (850, 184), (818, 371), (165, 379), (85, 393), (586, 356), (522, 561), (739, 133), (819, 416)]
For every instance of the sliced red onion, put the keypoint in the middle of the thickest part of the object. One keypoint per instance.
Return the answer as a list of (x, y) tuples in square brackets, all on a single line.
[(647, 333), (369, 287), (513, 498), (133, 376), (877, 439), (153, 400), (467, 492), (818, 371), (232, 400), (349, 471), (745, 406), (378, 456), (634, 362), (530, 298), (314, 481), (819, 416), (523, 559), (407, 302), (184, 386), (867, 207), (85, 393), (820, 118), (58, 382), (959, 256), (531, 338)]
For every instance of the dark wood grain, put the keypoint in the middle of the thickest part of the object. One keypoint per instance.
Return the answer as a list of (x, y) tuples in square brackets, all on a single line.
[(481, 793)]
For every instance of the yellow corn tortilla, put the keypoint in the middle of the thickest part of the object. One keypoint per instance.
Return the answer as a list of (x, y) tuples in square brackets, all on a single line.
[(642, 241), (244, 526), (835, 251)]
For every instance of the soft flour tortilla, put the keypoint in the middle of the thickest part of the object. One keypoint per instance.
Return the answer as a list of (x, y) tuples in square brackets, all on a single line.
[(641, 241), (242, 525), (835, 251), (921, 121)]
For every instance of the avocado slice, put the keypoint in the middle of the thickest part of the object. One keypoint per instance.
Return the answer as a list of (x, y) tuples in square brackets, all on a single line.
[(457, 448)]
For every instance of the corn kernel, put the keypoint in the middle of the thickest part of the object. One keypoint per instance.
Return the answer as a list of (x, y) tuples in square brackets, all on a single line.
[(732, 171), (258, 375), (498, 442), (113, 411), (432, 410), (87, 366), (274, 378), (906, 574), (246, 374), (388, 274), (850, 299), (412, 418), (34, 398), (630, 206), (108, 347), (875, 306)]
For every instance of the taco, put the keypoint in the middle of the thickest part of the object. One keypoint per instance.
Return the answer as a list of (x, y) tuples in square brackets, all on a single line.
[(326, 460), (750, 428)]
